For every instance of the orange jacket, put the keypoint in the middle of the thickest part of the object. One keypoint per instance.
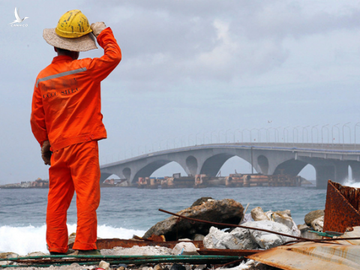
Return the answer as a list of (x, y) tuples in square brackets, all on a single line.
[(66, 105)]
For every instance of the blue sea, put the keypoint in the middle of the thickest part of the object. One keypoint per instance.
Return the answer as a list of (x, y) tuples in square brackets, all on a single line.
[(124, 212)]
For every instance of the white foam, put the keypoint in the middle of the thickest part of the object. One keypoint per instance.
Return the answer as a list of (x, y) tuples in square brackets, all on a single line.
[(351, 183), (23, 240)]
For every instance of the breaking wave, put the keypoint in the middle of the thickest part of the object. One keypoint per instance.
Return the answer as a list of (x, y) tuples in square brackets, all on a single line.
[(351, 183), (23, 240)]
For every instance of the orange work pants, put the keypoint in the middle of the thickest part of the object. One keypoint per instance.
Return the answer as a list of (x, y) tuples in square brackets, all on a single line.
[(73, 168)]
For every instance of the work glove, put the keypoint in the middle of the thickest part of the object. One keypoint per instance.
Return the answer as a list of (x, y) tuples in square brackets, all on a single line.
[(45, 152), (97, 28)]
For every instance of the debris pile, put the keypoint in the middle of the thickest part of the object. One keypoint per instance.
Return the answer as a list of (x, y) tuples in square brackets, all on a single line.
[(231, 239), (314, 222), (240, 238), (173, 228)]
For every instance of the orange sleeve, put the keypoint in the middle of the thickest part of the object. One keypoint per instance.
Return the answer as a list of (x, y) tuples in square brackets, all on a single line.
[(37, 120), (101, 67)]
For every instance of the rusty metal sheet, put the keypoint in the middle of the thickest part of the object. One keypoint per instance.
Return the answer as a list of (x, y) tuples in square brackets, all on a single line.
[(353, 233), (350, 193), (341, 208), (311, 256)]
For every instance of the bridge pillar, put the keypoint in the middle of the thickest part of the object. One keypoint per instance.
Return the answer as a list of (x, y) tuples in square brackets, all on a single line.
[(103, 176), (341, 172), (323, 174)]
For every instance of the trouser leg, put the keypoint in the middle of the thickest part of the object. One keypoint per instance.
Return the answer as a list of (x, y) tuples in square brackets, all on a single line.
[(85, 172), (61, 191)]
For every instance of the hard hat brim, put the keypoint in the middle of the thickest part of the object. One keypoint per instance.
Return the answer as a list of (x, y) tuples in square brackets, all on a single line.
[(81, 44)]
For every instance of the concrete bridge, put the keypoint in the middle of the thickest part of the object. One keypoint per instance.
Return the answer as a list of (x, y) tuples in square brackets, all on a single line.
[(331, 161)]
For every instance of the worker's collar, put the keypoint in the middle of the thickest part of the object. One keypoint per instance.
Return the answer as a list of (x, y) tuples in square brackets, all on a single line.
[(62, 58)]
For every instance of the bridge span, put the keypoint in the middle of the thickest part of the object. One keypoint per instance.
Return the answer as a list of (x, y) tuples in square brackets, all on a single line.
[(331, 161)]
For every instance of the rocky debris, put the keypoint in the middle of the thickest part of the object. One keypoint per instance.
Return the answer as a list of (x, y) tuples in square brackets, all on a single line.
[(104, 265), (285, 212), (158, 267), (236, 239), (136, 250), (258, 214), (267, 240), (199, 237), (174, 228), (177, 266), (304, 230), (7, 255), (314, 221), (240, 238), (283, 217), (201, 201), (250, 265), (311, 216), (71, 238), (36, 253), (318, 224), (185, 248), (222, 211)]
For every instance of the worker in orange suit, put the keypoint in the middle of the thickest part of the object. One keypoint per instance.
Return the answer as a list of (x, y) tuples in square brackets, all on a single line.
[(66, 120)]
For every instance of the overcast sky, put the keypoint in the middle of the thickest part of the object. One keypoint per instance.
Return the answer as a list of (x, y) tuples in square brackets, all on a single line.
[(192, 72)]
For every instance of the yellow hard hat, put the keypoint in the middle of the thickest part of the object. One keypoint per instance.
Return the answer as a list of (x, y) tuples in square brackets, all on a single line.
[(73, 24)]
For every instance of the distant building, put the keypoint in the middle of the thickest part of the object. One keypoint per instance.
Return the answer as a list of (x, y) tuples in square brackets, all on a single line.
[(39, 183)]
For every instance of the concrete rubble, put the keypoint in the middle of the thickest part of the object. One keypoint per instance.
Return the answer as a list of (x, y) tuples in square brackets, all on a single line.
[(240, 238)]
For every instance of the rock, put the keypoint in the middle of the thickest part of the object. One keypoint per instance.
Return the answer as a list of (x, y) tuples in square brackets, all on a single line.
[(200, 267), (303, 227), (246, 218), (269, 240), (201, 201), (177, 266), (222, 211), (304, 230), (104, 265), (36, 253), (184, 240), (136, 250), (157, 238), (283, 218), (318, 224), (8, 255), (199, 237), (309, 217), (284, 212), (71, 239), (258, 214), (184, 248), (146, 268), (237, 239)]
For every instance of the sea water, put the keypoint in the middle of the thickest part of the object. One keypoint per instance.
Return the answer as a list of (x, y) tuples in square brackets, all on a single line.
[(124, 212)]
